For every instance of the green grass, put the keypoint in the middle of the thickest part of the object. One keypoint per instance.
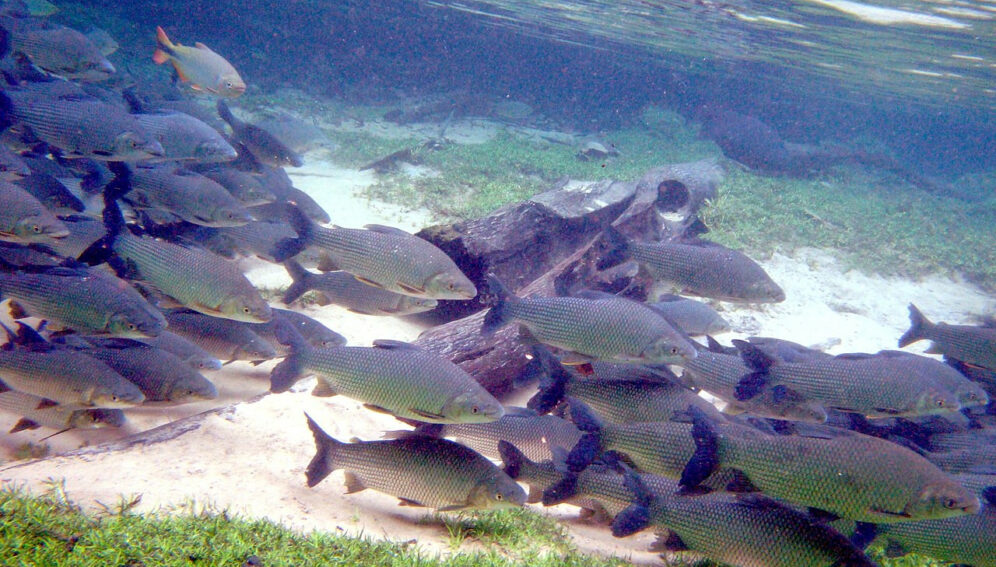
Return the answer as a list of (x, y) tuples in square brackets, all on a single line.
[(49, 530)]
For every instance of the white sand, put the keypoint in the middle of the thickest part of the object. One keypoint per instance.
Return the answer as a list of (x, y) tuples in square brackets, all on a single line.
[(250, 458)]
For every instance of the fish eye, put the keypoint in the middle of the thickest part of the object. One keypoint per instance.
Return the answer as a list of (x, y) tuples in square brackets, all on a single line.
[(940, 403), (950, 503), (475, 410), (674, 350), (114, 398), (499, 497), (246, 310), (132, 327), (36, 229)]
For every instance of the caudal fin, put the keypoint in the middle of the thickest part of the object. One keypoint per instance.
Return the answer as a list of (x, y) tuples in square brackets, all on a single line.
[(164, 47), (618, 251), (553, 380), (637, 516), (705, 460), (918, 324), (498, 316), (323, 463), (303, 226), (301, 284)]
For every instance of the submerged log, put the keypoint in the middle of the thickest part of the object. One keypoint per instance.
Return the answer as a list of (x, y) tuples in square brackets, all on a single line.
[(548, 245)]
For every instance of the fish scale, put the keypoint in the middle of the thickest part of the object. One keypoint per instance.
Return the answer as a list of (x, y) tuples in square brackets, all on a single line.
[(533, 434), (22, 213), (405, 381), (198, 279), (629, 401), (190, 196), (67, 377), (662, 448), (160, 375), (426, 470), (87, 301)]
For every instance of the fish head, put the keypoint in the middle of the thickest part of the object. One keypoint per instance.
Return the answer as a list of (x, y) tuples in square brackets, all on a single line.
[(934, 400), (193, 389), (668, 350), (124, 395), (943, 498), (450, 285), (247, 308), (473, 407), (39, 228), (764, 290), (224, 216), (496, 492), (410, 305), (256, 349), (230, 85), (83, 419), (971, 394), (136, 323), (214, 151), (135, 145)]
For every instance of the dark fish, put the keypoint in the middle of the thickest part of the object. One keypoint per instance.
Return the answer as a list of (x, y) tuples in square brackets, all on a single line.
[(838, 472), (160, 375), (276, 181), (317, 334), (184, 137), (420, 470), (591, 327), (393, 377), (193, 355), (255, 238), (87, 300), (242, 185), (52, 193), (24, 219), (384, 257), (297, 135), (83, 128), (224, 339), (874, 385), (692, 317), (265, 147), (698, 267), (62, 51), (342, 288), (967, 343), (186, 194)]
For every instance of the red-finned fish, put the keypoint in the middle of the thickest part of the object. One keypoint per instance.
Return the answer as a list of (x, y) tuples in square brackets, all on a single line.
[(204, 69)]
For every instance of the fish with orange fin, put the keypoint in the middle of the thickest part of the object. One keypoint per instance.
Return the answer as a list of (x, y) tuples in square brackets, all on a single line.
[(204, 69)]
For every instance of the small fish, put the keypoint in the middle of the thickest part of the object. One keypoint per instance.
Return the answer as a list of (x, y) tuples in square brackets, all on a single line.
[(263, 146), (224, 339), (186, 138), (62, 51), (37, 413), (24, 219), (392, 377), (161, 376), (698, 267), (342, 288), (692, 317), (195, 357), (186, 194), (86, 300), (591, 326), (204, 69), (966, 343), (421, 471), (317, 334), (242, 185), (837, 472), (384, 257)]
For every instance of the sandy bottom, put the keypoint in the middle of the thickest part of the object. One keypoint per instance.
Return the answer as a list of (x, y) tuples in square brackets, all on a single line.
[(250, 456)]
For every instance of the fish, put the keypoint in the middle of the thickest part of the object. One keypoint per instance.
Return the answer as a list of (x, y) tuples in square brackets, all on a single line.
[(196, 278), (420, 470), (186, 194), (204, 69), (749, 530), (64, 376), (102, 41), (186, 138), (36, 413), (12, 166), (255, 238), (84, 231), (61, 51), (223, 339), (342, 288), (86, 300), (836, 472), (697, 267), (276, 181), (24, 219), (299, 136), (536, 435), (184, 349), (242, 185), (161, 376), (966, 343), (392, 377), (55, 196), (692, 317), (263, 146), (591, 326), (383, 257), (82, 128), (874, 385), (317, 334)]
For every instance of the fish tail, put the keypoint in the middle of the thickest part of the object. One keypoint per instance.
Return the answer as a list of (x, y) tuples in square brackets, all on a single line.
[(553, 380), (918, 324), (618, 250), (301, 284), (290, 247), (705, 460), (637, 515), (6, 110), (498, 316), (589, 446), (4, 42), (114, 222), (750, 385), (226, 113), (323, 463), (287, 373), (512, 459), (164, 47), (562, 490)]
